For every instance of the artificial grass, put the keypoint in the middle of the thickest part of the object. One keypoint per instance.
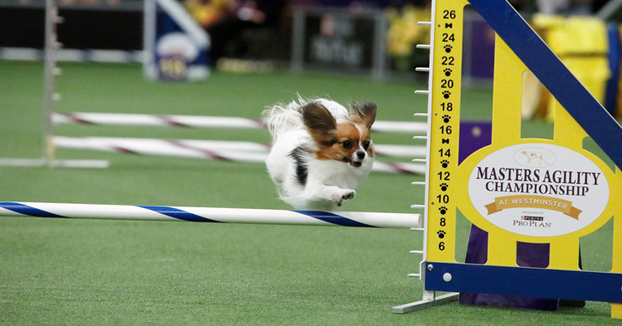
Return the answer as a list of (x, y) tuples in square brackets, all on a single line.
[(84, 272), (94, 272)]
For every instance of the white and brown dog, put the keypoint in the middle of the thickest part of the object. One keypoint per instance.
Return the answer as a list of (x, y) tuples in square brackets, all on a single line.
[(321, 151)]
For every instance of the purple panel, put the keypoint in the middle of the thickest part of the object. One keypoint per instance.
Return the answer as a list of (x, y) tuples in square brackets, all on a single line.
[(473, 136), (528, 255), (482, 50), (532, 254)]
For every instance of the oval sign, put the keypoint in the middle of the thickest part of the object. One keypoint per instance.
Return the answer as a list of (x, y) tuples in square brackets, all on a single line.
[(539, 190)]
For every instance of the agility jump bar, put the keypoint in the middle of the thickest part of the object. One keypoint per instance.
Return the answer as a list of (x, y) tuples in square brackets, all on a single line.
[(215, 145), (193, 121), (198, 149), (210, 214)]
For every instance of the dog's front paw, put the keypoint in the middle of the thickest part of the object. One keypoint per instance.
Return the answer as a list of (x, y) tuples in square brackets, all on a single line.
[(347, 194)]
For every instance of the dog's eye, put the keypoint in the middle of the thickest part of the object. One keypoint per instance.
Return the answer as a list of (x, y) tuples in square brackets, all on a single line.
[(347, 144), (366, 144)]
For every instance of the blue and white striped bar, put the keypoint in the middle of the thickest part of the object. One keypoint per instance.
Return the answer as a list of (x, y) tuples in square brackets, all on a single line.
[(210, 214)]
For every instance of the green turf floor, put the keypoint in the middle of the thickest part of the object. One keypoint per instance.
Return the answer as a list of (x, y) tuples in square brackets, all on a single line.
[(95, 272)]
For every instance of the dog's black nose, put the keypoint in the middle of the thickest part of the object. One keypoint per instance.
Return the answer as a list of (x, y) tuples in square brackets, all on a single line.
[(360, 154)]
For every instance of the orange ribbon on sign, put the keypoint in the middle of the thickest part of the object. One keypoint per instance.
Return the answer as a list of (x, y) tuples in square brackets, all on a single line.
[(533, 201)]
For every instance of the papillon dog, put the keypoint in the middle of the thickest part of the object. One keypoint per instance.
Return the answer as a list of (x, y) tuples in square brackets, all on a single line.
[(321, 151)]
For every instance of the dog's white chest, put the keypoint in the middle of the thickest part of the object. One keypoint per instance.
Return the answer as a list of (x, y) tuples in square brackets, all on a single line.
[(333, 173)]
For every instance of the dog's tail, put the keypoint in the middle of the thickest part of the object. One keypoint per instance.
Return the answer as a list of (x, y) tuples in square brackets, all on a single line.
[(282, 118)]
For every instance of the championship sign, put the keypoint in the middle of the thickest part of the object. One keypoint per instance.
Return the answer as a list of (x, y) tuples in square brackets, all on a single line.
[(538, 190)]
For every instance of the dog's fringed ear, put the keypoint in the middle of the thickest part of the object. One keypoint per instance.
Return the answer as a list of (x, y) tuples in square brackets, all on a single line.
[(320, 123), (366, 112)]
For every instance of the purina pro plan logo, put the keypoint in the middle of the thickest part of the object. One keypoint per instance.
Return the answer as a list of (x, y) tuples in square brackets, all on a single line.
[(539, 190)]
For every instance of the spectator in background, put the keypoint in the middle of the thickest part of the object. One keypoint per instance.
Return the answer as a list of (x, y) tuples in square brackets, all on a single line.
[(225, 20), (209, 12)]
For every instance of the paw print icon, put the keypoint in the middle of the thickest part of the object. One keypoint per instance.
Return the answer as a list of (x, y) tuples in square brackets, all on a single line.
[(446, 118), (443, 210), (448, 48), (446, 94), (441, 234), (444, 186), (444, 164), (447, 72)]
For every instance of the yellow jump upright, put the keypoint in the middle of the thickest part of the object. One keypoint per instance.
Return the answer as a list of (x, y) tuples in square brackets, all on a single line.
[(518, 189)]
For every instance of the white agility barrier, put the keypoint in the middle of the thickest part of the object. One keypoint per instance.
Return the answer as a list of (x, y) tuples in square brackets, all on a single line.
[(206, 121), (27, 162), (210, 214), (189, 149), (217, 145)]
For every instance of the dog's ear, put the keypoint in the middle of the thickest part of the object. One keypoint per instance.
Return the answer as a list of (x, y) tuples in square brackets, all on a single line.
[(320, 123), (366, 112)]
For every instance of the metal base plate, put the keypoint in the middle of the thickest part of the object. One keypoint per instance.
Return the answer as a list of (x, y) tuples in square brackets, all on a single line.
[(405, 308)]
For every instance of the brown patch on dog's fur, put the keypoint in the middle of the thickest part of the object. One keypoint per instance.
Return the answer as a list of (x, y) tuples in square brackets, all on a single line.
[(365, 113), (333, 138), (320, 123), (346, 131)]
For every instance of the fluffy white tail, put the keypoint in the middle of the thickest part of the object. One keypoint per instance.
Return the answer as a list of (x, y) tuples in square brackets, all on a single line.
[(282, 118)]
